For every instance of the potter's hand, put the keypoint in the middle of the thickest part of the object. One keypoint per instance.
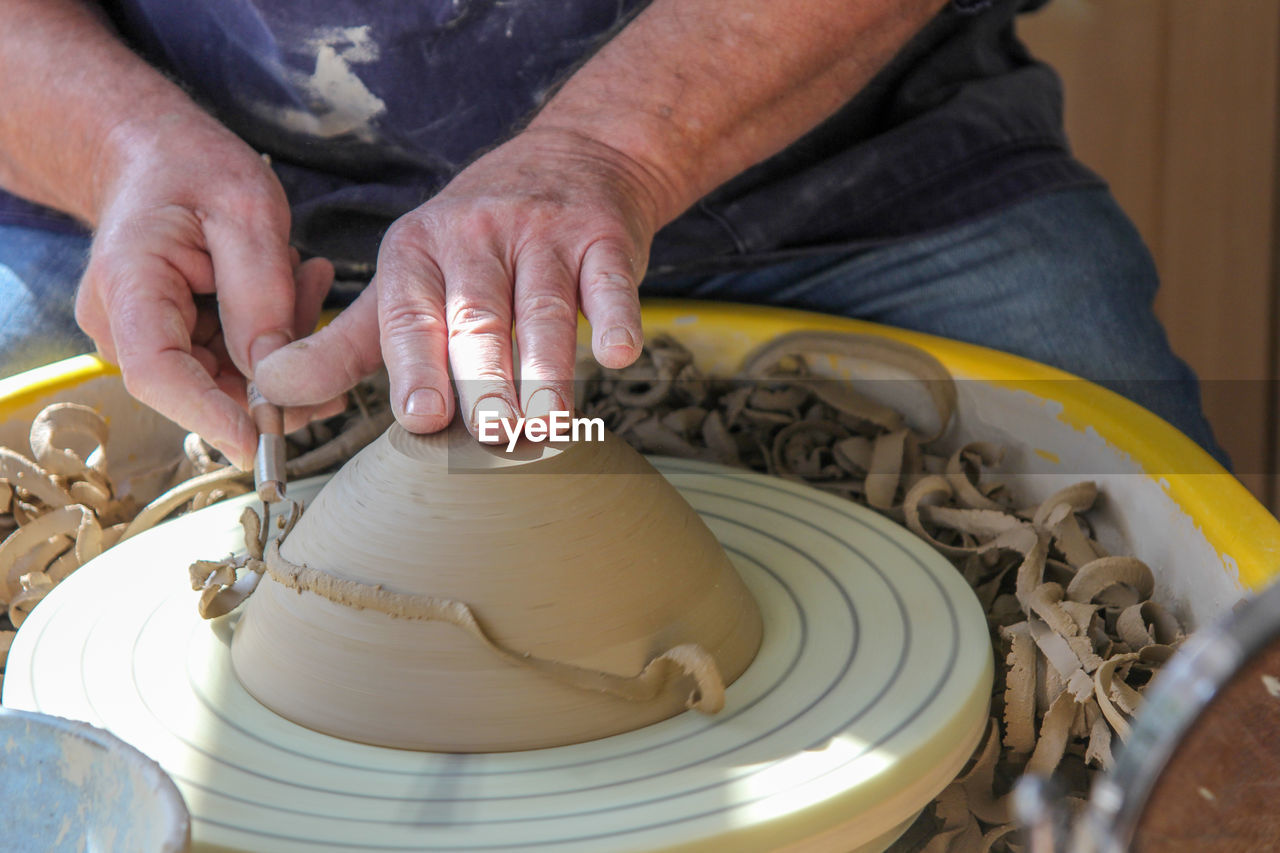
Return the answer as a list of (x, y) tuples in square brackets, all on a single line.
[(547, 223), (192, 213)]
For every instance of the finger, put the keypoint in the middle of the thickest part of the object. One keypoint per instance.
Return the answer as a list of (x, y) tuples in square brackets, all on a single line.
[(193, 265), (232, 383), (411, 318), (225, 367), (207, 359), (609, 285), (478, 311), (112, 269), (92, 319), (151, 340), (230, 380), (208, 325), (312, 280), (90, 316), (546, 321), (318, 368), (255, 284), (296, 417)]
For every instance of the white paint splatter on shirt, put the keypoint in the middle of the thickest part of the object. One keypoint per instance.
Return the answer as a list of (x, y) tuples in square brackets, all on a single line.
[(341, 103)]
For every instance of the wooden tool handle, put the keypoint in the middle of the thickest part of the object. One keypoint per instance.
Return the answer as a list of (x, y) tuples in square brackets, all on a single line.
[(268, 463)]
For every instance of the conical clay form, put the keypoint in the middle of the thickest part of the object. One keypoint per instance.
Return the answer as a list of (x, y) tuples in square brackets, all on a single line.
[(579, 556)]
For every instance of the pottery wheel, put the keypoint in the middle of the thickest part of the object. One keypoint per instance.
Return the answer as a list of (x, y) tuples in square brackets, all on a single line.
[(867, 696)]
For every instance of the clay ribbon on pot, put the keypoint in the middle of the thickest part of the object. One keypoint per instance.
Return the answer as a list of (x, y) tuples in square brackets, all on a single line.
[(225, 584)]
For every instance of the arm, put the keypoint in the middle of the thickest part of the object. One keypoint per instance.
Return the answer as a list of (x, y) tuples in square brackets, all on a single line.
[(179, 206), (689, 94), (55, 121), (695, 92)]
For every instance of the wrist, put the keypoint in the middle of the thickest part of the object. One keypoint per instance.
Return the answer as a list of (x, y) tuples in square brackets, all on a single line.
[(661, 191)]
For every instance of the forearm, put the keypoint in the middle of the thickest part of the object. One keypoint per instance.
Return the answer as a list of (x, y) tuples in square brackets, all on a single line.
[(74, 101), (693, 92)]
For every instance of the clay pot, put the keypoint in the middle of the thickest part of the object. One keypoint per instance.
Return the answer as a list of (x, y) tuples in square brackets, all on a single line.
[(580, 554)]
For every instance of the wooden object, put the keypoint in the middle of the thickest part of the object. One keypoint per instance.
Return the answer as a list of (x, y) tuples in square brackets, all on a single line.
[(1174, 102), (1217, 794), (268, 463)]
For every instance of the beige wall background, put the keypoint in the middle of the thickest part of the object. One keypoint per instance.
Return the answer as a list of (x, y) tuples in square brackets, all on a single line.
[(1174, 102)]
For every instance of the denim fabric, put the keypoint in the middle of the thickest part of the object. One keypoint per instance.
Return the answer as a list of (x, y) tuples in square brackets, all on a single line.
[(1063, 279), (39, 271)]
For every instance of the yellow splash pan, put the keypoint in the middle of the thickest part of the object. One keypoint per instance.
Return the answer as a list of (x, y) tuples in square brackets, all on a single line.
[(1169, 502), (1165, 501)]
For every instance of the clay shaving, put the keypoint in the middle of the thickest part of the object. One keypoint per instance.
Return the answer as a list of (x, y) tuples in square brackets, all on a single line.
[(1075, 626)]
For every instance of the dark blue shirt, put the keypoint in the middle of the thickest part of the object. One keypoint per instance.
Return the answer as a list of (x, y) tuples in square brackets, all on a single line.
[(368, 107)]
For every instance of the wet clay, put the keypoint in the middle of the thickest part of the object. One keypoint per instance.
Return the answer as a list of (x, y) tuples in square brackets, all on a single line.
[(59, 507), (442, 595), (691, 660), (226, 583)]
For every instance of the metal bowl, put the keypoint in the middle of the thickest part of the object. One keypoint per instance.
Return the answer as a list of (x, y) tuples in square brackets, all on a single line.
[(67, 785)]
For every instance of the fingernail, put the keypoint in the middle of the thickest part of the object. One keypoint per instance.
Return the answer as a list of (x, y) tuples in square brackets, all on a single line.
[(617, 336), (424, 402), (494, 410), (543, 402), (264, 345)]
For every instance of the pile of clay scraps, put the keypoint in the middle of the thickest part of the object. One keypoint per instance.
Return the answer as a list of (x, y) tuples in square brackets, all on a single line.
[(1076, 627), (59, 508)]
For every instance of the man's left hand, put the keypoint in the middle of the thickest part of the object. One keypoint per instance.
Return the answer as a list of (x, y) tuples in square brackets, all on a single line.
[(544, 225)]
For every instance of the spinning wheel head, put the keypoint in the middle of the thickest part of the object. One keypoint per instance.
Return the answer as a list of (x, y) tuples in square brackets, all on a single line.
[(868, 694)]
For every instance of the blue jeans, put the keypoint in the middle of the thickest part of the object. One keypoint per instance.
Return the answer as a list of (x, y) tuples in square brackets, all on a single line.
[(1062, 278), (39, 271)]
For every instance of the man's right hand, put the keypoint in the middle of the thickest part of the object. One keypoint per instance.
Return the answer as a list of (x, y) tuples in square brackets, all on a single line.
[(189, 213)]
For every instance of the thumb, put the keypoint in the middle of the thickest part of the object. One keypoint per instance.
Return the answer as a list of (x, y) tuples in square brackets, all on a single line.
[(328, 362)]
